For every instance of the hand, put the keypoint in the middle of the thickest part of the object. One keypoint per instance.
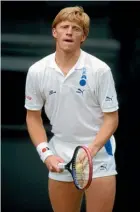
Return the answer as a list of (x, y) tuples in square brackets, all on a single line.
[(92, 149), (52, 163), (82, 156)]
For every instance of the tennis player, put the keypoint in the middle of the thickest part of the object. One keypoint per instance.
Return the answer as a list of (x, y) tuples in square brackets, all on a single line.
[(78, 94)]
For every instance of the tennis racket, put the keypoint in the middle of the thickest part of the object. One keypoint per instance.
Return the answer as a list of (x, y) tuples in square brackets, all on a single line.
[(80, 167)]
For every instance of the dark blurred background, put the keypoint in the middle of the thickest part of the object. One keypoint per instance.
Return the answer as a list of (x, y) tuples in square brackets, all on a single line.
[(25, 38)]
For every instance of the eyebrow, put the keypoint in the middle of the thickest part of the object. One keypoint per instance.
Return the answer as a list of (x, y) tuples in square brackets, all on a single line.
[(72, 26)]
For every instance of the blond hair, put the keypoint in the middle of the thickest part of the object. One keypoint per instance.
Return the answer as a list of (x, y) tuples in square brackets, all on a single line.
[(75, 14)]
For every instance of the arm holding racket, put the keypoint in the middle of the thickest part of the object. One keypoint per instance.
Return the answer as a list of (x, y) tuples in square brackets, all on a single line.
[(52, 163), (39, 139)]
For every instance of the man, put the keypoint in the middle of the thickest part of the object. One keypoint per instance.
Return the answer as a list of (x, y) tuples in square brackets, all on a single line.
[(78, 93)]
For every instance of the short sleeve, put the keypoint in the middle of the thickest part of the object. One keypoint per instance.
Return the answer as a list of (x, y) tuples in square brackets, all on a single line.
[(33, 97), (107, 95)]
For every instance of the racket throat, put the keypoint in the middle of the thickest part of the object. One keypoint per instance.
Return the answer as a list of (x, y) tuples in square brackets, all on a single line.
[(69, 168)]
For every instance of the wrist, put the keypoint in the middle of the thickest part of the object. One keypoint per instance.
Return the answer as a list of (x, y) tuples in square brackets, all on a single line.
[(44, 151), (93, 149)]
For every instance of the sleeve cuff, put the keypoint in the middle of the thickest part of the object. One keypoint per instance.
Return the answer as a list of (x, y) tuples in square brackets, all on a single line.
[(33, 107), (112, 109)]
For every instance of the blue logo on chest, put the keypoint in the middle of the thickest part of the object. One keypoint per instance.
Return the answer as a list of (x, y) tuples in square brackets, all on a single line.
[(82, 81)]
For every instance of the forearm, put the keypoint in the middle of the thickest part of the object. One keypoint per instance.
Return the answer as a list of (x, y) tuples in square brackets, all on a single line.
[(36, 130), (107, 129)]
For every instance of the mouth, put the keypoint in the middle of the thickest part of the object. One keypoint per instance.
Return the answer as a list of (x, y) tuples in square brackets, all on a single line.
[(68, 40)]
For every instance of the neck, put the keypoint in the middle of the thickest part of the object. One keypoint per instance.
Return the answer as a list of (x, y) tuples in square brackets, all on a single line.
[(65, 60)]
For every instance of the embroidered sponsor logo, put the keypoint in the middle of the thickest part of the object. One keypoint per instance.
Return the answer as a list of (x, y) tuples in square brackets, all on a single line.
[(44, 149), (108, 98), (82, 81), (80, 91), (103, 167), (28, 97), (51, 92)]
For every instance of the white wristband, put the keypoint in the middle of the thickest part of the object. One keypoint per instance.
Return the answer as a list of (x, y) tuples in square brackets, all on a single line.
[(43, 151), (45, 155)]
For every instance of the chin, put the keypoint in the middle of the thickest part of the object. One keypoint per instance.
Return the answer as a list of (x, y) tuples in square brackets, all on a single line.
[(68, 49)]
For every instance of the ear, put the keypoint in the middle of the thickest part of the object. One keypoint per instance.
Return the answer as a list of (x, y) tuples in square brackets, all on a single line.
[(83, 38), (54, 33)]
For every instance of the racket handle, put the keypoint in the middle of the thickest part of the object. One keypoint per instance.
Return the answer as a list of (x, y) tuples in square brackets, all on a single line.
[(61, 165)]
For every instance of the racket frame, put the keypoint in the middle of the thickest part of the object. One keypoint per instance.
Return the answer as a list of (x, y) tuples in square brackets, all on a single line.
[(90, 166), (71, 166)]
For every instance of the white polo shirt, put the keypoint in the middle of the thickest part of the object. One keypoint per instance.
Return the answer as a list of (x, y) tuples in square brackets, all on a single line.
[(74, 103)]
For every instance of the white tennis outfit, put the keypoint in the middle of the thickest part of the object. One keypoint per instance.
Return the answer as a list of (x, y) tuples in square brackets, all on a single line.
[(74, 105)]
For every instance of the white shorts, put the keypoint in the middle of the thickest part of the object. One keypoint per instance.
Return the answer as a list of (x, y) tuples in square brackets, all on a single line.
[(103, 163)]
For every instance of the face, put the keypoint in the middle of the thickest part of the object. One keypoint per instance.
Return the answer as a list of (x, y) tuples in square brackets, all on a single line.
[(68, 35)]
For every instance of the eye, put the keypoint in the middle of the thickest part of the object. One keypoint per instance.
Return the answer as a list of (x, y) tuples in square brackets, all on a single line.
[(65, 27), (77, 29)]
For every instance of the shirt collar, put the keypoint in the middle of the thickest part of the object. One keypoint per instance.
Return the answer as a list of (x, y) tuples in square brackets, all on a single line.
[(80, 63)]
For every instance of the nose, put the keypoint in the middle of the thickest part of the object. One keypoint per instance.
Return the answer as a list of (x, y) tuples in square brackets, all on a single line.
[(69, 31)]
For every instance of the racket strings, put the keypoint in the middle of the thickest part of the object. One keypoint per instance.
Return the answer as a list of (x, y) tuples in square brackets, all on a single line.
[(82, 169)]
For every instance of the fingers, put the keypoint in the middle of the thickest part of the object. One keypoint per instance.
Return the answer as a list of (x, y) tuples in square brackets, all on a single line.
[(81, 157), (54, 169), (52, 163), (50, 169), (60, 160)]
